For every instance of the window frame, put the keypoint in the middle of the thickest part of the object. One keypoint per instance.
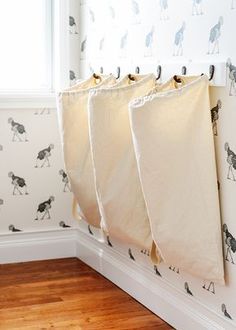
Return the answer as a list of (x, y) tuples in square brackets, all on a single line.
[(58, 61)]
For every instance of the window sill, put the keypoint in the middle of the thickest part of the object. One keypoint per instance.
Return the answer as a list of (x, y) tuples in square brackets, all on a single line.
[(23, 101)]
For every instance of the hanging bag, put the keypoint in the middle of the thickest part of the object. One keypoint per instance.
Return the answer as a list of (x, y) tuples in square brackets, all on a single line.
[(119, 193), (73, 119), (174, 149)]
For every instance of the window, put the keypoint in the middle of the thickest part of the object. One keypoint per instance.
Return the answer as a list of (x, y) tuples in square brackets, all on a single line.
[(26, 46)]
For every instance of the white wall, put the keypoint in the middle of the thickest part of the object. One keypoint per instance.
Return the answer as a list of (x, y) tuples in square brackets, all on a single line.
[(116, 32)]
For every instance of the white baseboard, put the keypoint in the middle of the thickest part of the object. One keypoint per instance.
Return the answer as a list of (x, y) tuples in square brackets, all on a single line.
[(163, 299), (29, 246), (171, 304)]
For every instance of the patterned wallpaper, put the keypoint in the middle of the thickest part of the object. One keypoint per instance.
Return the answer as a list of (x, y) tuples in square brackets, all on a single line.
[(74, 40), (131, 32), (34, 190)]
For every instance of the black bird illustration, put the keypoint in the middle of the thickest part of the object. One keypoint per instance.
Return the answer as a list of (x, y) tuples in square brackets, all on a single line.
[(232, 77), (210, 287), (89, 230), (224, 310), (44, 208), (187, 289), (13, 229), (130, 254), (231, 160), (157, 271), (215, 116), (109, 242), (135, 7), (83, 45), (123, 40), (215, 33), (112, 12), (101, 44), (63, 225), (174, 269), (18, 183), (65, 180), (43, 156), (72, 25), (164, 9), (178, 42), (149, 42), (92, 15), (230, 242), (18, 130), (197, 7)]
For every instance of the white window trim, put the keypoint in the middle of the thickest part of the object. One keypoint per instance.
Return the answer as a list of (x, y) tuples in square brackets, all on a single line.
[(60, 64)]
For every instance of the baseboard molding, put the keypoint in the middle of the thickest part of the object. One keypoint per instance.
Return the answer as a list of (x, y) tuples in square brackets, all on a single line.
[(41, 245), (163, 299), (171, 304)]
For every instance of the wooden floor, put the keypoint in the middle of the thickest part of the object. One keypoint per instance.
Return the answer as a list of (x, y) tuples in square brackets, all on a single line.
[(67, 294)]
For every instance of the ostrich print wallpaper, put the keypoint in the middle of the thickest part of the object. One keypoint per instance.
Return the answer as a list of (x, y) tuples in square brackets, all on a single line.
[(74, 41), (131, 32), (34, 190)]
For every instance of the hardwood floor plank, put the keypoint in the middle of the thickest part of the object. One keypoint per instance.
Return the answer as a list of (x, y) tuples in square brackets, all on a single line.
[(67, 294)]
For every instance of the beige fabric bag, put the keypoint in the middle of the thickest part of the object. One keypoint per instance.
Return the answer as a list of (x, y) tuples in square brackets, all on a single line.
[(86, 83), (117, 182), (73, 119), (174, 148)]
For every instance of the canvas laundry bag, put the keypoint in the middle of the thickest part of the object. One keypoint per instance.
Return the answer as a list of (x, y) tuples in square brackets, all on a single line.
[(73, 120), (174, 148), (119, 193)]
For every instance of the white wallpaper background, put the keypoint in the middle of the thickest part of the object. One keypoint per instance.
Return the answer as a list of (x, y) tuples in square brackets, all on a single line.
[(131, 32), (34, 193)]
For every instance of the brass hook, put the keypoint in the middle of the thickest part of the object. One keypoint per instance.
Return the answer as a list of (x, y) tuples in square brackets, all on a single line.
[(97, 77), (177, 79), (131, 77)]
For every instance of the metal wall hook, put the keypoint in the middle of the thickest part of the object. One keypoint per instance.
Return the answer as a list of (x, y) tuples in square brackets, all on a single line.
[(118, 72), (131, 77), (184, 70), (96, 76), (137, 70), (158, 72), (101, 70), (177, 79), (211, 72)]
